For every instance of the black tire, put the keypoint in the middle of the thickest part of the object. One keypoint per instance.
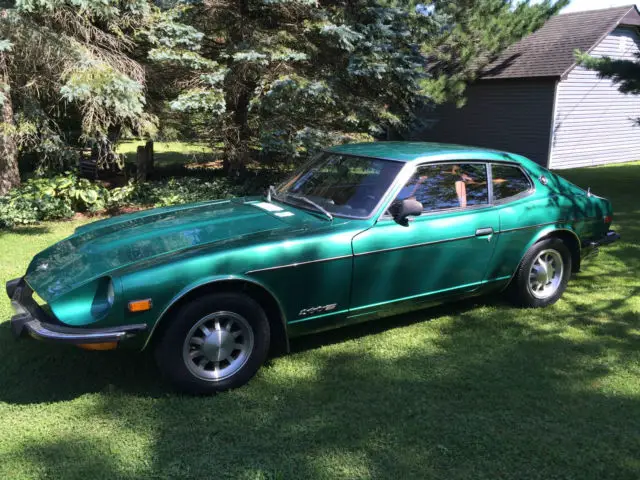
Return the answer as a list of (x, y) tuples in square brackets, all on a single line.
[(169, 350), (520, 291)]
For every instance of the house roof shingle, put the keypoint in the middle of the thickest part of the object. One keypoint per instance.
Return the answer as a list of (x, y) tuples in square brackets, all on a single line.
[(549, 52)]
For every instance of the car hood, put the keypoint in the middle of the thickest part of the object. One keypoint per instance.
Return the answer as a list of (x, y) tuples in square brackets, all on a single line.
[(97, 249)]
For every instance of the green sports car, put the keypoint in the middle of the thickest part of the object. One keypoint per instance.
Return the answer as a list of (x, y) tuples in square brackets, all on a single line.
[(361, 231)]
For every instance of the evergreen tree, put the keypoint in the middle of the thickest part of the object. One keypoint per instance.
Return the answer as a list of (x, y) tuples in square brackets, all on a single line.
[(286, 76), (70, 76), (624, 73), (9, 175)]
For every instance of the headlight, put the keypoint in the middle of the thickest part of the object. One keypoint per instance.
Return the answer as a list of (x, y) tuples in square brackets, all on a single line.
[(86, 304), (111, 295), (104, 298)]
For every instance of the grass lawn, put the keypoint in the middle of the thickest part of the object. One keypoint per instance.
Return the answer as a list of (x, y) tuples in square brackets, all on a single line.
[(477, 390), (166, 153)]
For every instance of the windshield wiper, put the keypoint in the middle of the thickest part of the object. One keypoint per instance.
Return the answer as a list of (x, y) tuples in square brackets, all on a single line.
[(313, 204), (271, 192)]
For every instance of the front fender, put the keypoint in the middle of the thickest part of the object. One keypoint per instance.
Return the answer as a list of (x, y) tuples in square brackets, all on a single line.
[(211, 281)]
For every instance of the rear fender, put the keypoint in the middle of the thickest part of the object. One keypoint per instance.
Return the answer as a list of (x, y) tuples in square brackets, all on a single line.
[(558, 230)]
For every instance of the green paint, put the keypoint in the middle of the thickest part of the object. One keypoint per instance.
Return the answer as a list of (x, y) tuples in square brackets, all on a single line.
[(363, 266)]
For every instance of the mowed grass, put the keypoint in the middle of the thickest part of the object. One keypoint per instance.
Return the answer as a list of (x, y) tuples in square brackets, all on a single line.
[(476, 390), (167, 153)]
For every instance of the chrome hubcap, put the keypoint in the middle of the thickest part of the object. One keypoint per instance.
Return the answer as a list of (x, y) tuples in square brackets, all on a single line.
[(545, 275), (218, 345)]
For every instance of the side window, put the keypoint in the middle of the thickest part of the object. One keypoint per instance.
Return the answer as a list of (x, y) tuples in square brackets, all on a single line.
[(508, 181), (448, 185)]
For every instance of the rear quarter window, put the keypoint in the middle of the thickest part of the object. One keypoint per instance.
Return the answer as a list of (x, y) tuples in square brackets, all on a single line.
[(508, 181)]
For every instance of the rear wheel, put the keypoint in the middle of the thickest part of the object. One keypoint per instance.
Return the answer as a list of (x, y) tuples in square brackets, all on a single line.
[(543, 274), (214, 343)]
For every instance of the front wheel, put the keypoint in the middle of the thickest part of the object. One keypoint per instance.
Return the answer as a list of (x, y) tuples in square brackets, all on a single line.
[(543, 274), (214, 343)]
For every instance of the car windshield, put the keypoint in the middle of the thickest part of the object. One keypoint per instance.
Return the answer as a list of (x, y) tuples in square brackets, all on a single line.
[(341, 185)]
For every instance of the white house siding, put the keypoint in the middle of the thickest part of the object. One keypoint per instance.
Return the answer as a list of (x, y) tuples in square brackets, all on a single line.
[(511, 115), (594, 123)]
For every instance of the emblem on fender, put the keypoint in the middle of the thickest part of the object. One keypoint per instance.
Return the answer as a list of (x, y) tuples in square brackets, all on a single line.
[(315, 310)]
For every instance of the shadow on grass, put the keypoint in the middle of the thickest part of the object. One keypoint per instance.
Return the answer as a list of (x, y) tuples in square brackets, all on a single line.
[(485, 392), (30, 230), (36, 372)]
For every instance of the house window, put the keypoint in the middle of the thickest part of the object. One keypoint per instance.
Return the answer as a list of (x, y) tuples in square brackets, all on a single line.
[(508, 181), (445, 186)]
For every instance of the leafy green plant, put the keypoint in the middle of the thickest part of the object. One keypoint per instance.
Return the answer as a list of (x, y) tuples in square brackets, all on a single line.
[(178, 190), (51, 199), (62, 196)]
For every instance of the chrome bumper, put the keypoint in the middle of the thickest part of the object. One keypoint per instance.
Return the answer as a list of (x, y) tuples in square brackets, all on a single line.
[(592, 248), (30, 319)]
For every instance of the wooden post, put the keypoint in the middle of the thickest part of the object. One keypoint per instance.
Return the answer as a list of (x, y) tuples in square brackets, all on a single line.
[(141, 163)]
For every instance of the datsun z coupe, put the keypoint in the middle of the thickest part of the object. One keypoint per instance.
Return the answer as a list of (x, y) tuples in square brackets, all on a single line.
[(361, 231)]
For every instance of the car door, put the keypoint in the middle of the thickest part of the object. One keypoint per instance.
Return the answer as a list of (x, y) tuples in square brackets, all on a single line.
[(446, 249)]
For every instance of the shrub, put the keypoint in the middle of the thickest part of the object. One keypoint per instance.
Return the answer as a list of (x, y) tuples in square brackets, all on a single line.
[(62, 196), (175, 191), (51, 199)]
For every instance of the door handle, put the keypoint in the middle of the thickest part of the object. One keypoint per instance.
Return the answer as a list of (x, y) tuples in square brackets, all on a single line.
[(481, 232)]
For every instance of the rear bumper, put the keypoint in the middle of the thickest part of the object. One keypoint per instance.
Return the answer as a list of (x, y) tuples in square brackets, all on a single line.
[(592, 248), (31, 320)]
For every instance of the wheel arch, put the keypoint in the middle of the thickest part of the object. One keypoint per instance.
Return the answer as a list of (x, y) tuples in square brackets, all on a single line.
[(567, 235), (258, 292)]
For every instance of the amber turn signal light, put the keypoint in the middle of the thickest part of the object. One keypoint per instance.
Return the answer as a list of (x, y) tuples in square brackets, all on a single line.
[(98, 346), (140, 305)]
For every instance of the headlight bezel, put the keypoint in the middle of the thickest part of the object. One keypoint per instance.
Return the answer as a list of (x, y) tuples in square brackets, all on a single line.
[(111, 293)]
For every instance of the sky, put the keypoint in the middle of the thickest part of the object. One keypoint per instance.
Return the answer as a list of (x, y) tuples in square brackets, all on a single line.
[(579, 5)]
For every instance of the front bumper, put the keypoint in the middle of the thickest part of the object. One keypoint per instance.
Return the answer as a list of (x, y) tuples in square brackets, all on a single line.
[(30, 319), (592, 248)]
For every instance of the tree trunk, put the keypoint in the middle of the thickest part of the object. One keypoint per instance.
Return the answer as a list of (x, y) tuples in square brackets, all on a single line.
[(237, 144), (9, 174), (236, 154)]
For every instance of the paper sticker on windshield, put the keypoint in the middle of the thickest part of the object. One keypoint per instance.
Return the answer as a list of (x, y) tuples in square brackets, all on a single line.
[(285, 214), (270, 207)]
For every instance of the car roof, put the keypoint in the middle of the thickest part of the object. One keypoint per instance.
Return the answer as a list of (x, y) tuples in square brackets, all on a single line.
[(424, 151)]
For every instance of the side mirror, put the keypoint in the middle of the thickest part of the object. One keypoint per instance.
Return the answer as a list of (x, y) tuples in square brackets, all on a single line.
[(404, 209)]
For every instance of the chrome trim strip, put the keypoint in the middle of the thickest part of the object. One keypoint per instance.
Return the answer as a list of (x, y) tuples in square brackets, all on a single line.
[(533, 226), (297, 264), (490, 184), (444, 211), (415, 245), (460, 238)]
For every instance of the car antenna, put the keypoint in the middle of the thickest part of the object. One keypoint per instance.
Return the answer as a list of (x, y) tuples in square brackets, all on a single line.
[(588, 191)]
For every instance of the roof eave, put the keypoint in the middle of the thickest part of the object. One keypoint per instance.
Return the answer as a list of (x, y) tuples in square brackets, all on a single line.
[(529, 77), (615, 25)]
